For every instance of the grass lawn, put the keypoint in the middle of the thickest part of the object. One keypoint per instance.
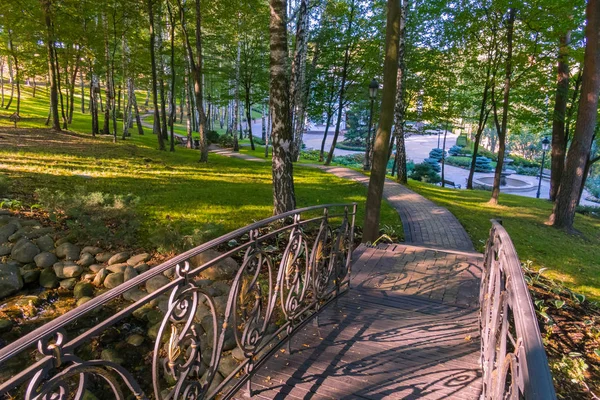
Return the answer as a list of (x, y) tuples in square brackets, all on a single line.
[(572, 259), (173, 188)]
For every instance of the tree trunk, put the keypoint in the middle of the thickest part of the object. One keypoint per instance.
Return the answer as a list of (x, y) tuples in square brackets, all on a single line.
[(138, 119), (558, 122), (17, 73), (72, 88), (400, 159), (94, 89), (284, 198), (46, 7), (563, 214), (108, 89), (196, 68), (327, 124), (236, 102), (161, 75), (343, 84), (161, 141), (172, 95), (264, 125), (249, 118), (505, 104), (382, 139), (299, 78), (82, 90), (60, 95), (12, 83), (484, 112)]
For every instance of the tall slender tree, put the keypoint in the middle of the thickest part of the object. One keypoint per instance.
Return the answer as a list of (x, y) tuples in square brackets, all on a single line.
[(384, 131), (284, 198)]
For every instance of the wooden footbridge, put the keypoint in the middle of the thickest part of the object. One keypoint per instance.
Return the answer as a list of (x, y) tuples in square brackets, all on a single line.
[(306, 314)]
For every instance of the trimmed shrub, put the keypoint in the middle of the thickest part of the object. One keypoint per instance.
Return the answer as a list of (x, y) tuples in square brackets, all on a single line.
[(258, 141), (350, 146), (462, 140), (531, 171), (461, 162), (434, 164), (436, 154), (425, 172), (212, 136), (483, 164), (455, 150)]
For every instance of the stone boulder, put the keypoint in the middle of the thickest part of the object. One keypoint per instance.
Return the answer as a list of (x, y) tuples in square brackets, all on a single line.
[(93, 250), (68, 251), (113, 280), (5, 249), (86, 259), (67, 269), (83, 289), (225, 269), (118, 258), (45, 243), (6, 231), (117, 267), (68, 284), (48, 279), (10, 280), (45, 260), (138, 259), (100, 277), (155, 283), (129, 273), (103, 257), (24, 251)]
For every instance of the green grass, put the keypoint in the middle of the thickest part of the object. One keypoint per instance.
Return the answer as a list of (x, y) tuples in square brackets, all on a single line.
[(173, 188), (572, 259)]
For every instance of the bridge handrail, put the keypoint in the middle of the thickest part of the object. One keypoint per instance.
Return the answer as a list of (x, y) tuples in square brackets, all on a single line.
[(511, 343), (312, 271)]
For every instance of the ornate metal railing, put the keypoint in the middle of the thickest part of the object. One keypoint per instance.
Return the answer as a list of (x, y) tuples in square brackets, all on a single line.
[(513, 359), (283, 271)]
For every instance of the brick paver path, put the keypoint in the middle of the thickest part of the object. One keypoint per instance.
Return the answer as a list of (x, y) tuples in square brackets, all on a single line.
[(407, 329), (424, 222)]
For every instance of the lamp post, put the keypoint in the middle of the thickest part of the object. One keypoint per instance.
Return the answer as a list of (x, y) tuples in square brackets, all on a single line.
[(373, 86), (545, 145)]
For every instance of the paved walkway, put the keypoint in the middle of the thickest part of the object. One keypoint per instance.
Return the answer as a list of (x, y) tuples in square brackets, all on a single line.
[(407, 329), (424, 222)]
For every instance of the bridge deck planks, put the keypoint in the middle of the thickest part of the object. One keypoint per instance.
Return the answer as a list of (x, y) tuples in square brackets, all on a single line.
[(407, 329)]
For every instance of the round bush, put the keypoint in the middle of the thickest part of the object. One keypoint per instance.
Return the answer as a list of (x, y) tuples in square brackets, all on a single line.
[(436, 154), (434, 164), (226, 141), (212, 136), (425, 172)]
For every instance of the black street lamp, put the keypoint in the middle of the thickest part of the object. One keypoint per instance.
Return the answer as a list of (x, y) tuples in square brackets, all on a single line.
[(545, 145), (373, 86)]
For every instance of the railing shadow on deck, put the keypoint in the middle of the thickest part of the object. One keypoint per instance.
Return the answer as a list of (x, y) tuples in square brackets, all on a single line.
[(281, 272), (404, 360)]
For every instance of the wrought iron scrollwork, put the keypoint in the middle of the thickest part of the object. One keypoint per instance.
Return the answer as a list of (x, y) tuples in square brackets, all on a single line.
[(288, 268), (513, 359)]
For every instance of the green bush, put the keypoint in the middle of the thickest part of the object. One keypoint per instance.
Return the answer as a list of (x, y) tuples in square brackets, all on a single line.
[(350, 146), (461, 162), (437, 154), (311, 155), (486, 153), (530, 171), (434, 164), (483, 164), (226, 141), (592, 184), (96, 217), (455, 150), (425, 172), (212, 136), (3, 185), (462, 140), (258, 141)]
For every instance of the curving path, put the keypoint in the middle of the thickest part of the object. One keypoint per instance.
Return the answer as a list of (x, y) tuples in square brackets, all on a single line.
[(424, 222)]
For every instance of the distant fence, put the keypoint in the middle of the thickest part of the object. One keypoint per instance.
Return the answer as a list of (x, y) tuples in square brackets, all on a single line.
[(513, 359), (209, 338)]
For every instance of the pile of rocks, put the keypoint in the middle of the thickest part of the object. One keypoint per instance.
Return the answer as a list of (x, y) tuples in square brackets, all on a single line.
[(34, 256), (31, 256)]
